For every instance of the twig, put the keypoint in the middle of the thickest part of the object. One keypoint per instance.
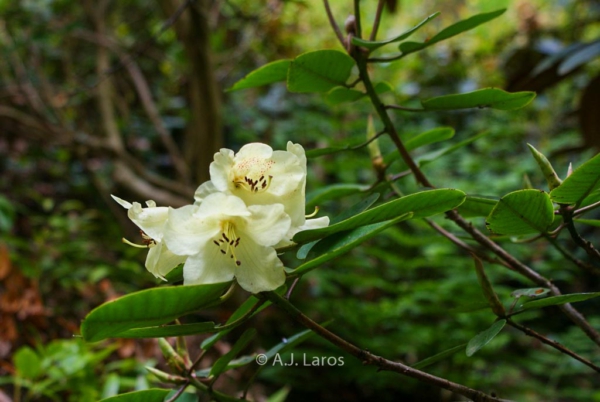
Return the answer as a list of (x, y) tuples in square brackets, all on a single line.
[(357, 22), (334, 24), (580, 241), (377, 20), (369, 358), (581, 264), (586, 209), (552, 343), (179, 392)]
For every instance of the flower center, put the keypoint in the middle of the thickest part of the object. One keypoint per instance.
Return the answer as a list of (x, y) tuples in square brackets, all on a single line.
[(228, 241), (251, 174), (148, 241)]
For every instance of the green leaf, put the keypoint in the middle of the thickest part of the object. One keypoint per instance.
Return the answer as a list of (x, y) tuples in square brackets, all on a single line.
[(239, 313), (184, 397), (319, 71), (280, 396), (342, 94), (348, 213), (522, 212), (530, 292), (149, 395), (332, 192), (476, 206), (430, 137), (591, 222), (488, 290), (452, 30), (483, 338), (269, 73), (27, 363), (148, 308), (546, 167), (432, 156), (342, 242), (562, 299), (482, 98), (222, 362), (377, 44), (169, 330), (575, 188), (438, 357), (422, 204)]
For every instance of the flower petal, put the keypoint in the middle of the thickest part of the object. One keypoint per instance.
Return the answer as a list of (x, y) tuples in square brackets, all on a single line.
[(316, 223), (187, 232), (122, 202), (205, 189), (160, 260), (267, 225), (208, 266), (151, 220), (254, 150), (260, 269), (220, 205), (220, 169)]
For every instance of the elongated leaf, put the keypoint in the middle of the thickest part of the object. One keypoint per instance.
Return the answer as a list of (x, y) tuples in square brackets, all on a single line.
[(332, 192), (488, 290), (579, 57), (148, 395), (591, 222), (438, 357), (269, 73), (432, 156), (423, 204), (430, 137), (476, 206), (237, 314), (377, 44), (522, 212), (530, 292), (452, 30), (575, 188), (342, 242), (147, 308), (488, 97), (169, 330), (546, 168), (221, 363), (485, 337), (183, 397), (319, 71), (562, 299), (350, 212)]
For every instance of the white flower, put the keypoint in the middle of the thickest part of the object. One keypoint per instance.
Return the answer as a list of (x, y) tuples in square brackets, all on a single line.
[(261, 176), (152, 220), (223, 238)]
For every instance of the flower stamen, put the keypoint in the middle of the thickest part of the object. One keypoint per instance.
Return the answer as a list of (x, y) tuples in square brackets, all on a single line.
[(315, 212), (254, 186), (229, 240)]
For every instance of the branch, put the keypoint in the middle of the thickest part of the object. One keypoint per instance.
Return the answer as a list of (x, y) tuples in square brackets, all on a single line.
[(378, 13), (580, 241), (552, 343), (334, 24), (369, 358)]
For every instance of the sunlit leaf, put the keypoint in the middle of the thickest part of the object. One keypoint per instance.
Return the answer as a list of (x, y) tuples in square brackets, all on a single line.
[(575, 188), (422, 204), (319, 71), (522, 212), (269, 73), (562, 299), (485, 337), (342, 242), (148, 308), (482, 98)]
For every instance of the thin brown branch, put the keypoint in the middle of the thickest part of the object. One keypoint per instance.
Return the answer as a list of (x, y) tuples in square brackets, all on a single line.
[(553, 344), (377, 20), (369, 358), (589, 248), (143, 90), (586, 209), (334, 24)]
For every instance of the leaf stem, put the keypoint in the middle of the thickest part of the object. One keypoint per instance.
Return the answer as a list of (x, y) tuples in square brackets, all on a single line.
[(377, 20)]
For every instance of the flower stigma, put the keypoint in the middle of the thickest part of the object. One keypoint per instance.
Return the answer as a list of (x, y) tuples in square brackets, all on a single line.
[(228, 241)]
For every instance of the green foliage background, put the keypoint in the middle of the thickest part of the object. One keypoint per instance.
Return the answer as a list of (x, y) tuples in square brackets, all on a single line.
[(407, 294)]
